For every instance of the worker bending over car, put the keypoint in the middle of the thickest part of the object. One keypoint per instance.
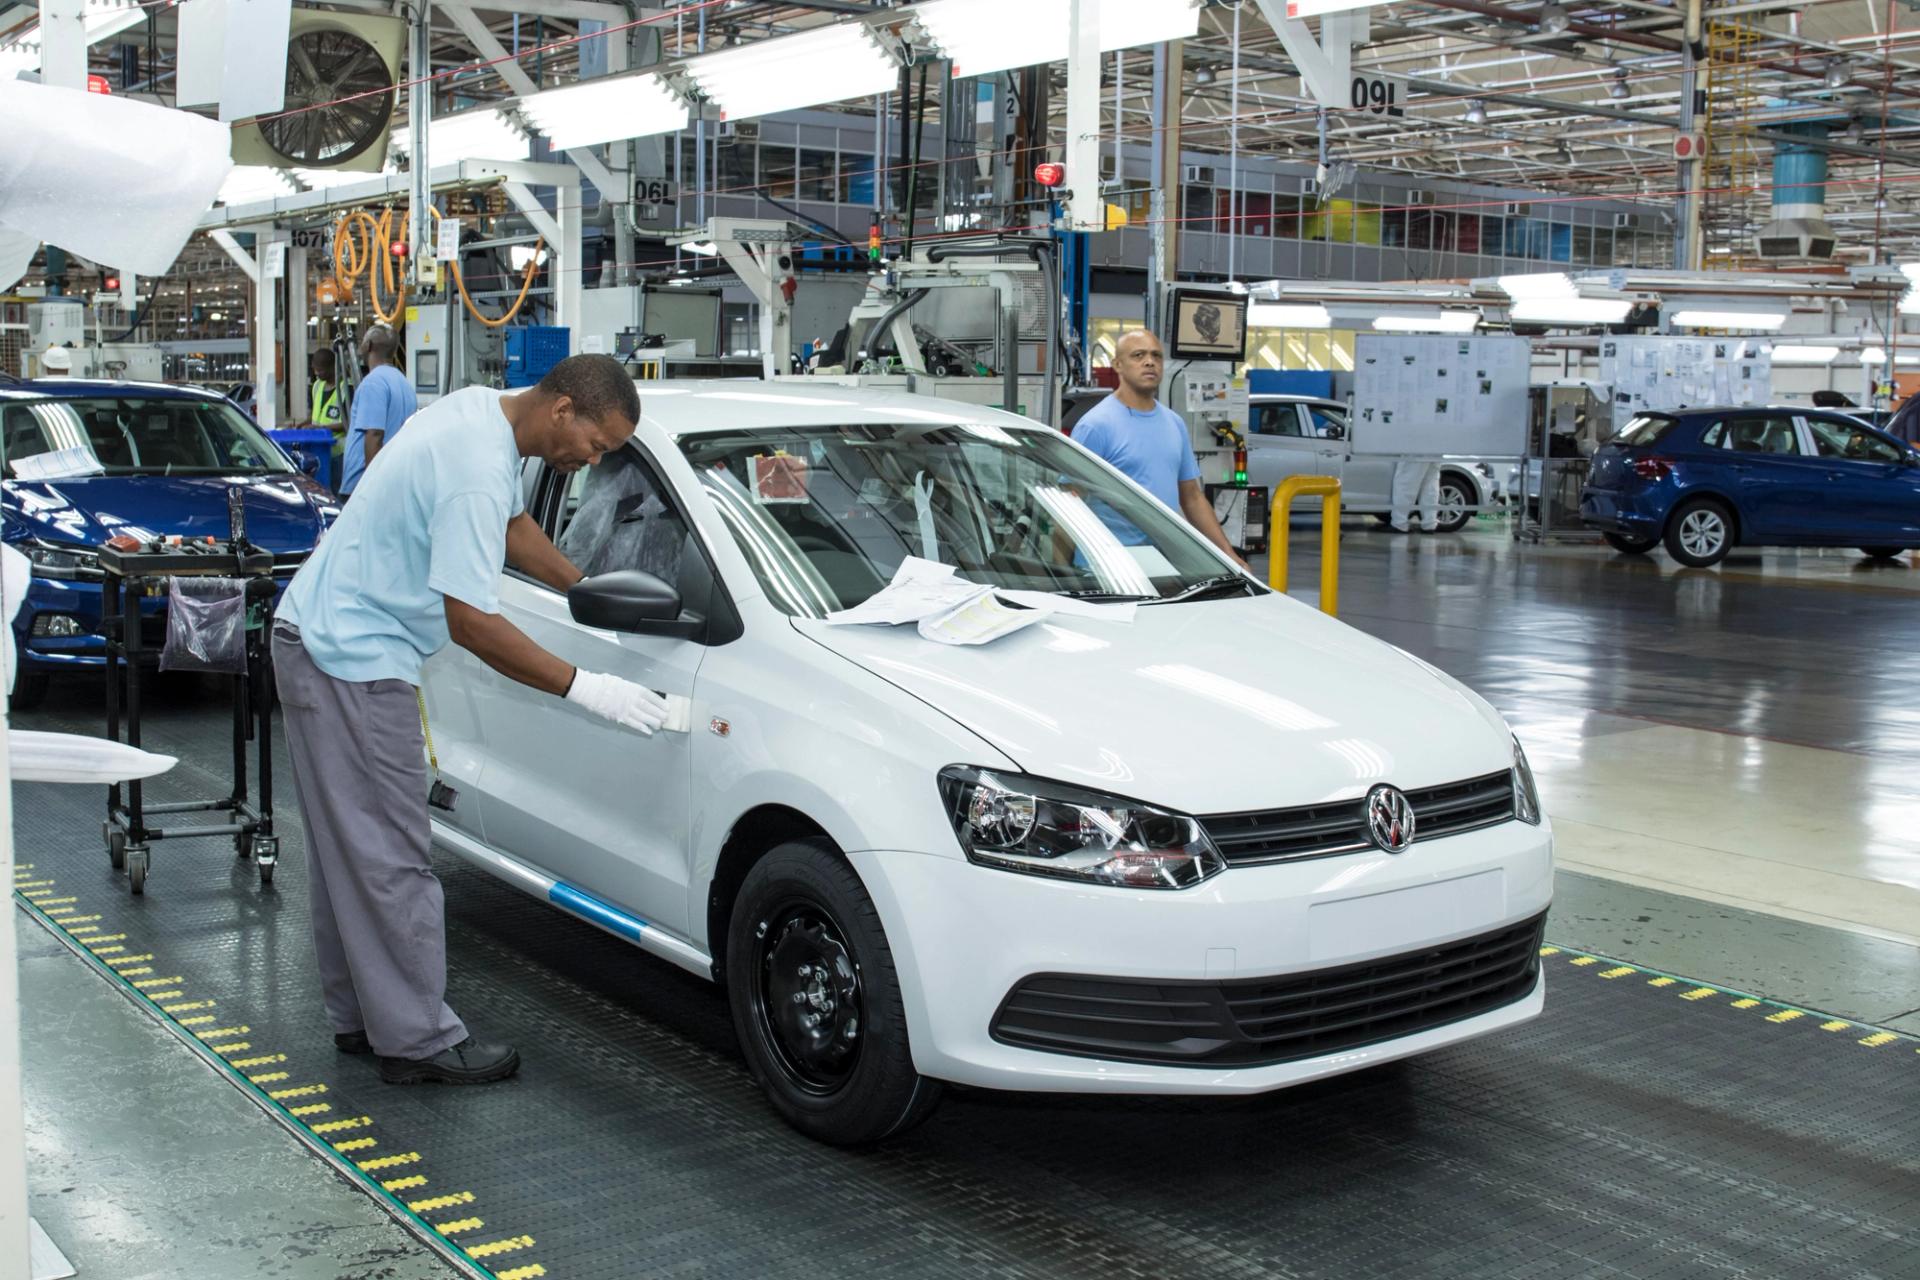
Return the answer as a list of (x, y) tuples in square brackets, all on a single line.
[(413, 562)]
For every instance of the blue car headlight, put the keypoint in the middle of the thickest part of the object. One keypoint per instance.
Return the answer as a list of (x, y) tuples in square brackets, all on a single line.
[(58, 560), (1017, 823)]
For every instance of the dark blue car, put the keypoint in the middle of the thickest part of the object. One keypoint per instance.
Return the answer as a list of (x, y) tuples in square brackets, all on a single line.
[(1704, 481), (165, 457)]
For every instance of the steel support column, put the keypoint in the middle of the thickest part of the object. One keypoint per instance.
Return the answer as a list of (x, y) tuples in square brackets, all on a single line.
[(1689, 253)]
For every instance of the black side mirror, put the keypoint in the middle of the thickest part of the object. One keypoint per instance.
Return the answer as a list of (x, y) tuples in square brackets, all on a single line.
[(626, 600), (1336, 432)]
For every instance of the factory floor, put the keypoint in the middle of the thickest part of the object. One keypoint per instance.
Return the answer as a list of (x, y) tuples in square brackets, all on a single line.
[(1726, 755)]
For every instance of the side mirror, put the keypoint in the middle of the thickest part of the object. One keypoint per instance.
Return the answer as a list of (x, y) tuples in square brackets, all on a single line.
[(626, 600), (1336, 432)]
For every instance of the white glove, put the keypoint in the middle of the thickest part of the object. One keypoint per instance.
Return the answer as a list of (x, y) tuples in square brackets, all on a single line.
[(627, 704)]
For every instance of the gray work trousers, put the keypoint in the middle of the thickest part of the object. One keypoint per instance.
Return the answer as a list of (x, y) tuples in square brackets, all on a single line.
[(379, 913)]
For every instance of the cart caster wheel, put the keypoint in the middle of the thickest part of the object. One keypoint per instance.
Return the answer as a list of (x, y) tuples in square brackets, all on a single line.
[(266, 856), (117, 848), (266, 875), (137, 860), (243, 847)]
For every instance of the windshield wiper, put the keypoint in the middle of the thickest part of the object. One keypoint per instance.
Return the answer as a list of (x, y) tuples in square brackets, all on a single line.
[(1097, 594), (1224, 584)]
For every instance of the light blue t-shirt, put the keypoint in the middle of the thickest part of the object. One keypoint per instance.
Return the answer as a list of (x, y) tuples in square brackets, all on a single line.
[(1153, 448), (383, 401), (430, 523)]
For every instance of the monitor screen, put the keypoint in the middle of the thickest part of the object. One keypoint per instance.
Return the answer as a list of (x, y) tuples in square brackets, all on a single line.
[(1208, 326), (426, 371)]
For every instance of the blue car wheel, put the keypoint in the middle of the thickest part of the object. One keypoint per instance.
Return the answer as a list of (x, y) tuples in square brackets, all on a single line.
[(1700, 533)]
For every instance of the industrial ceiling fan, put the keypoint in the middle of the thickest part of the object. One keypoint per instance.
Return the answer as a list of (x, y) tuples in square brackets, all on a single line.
[(339, 100)]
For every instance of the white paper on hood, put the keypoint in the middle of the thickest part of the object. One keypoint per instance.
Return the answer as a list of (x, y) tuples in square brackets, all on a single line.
[(58, 464)]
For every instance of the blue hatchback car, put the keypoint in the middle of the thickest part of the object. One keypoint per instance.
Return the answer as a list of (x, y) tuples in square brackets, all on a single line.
[(1704, 481), (158, 461)]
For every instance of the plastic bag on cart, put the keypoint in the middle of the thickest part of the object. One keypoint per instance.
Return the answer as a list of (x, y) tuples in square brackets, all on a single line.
[(206, 625)]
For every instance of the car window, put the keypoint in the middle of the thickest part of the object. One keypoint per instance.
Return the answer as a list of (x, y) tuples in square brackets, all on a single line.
[(1645, 429), (135, 435), (1275, 420), (1760, 433), (1328, 423), (1836, 440), (24, 435), (616, 515), (826, 515)]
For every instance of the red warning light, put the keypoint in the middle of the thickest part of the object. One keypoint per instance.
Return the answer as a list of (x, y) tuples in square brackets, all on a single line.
[(399, 248), (98, 84), (1049, 174)]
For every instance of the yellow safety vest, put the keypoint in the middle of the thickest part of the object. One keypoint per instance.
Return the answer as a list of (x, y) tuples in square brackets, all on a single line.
[(326, 406)]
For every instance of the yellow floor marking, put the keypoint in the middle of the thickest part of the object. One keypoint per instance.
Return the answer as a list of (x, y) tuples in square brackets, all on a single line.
[(1698, 993), (406, 1184), (1549, 951), (355, 1144), (107, 951), (76, 920), (334, 1126), (117, 961), (1835, 1025), (440, 1202), (260, 1061), (388, 1162), (1620, 972), (166, 995), (237, 1046), (1586, 960), (80, 930), (272, 1077), (136, 971), (311, 1109), (34, 895), (191, 1005), (1662, 982), (217, 1032), (455, 1228), (1747, 1003), (500, 1246), (93, 944), (521, 1273), (1785, 1015), (196, 1020), (18, 883), (1879, 1038), (53, 902), (174, 981)]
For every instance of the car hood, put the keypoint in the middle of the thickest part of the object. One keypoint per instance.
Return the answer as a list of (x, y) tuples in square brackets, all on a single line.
[(1208, 707), (283, 511)]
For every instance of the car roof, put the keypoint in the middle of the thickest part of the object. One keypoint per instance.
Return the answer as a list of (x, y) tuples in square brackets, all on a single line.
[(1292, 397), (91, 388), (685, 407)]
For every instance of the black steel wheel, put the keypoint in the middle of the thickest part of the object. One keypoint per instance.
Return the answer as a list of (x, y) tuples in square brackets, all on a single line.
[(1630, 546), (816, 1001)]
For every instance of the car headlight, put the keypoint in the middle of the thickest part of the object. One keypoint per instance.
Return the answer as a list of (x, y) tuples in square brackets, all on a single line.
[(1045, 828), (52, 560), (1526, 800)]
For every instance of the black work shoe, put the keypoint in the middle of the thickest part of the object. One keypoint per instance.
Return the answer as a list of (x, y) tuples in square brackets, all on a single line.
[(469, 1062), (352, 1042)]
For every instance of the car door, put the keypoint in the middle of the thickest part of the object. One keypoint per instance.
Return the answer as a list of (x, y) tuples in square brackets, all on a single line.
[(1277, 446), (1366, 481), (600, 807), (1780, 490), (1874, 482)]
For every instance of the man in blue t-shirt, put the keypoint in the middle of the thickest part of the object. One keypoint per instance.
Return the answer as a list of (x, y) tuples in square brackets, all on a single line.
[(381, 403), (1136, 433)]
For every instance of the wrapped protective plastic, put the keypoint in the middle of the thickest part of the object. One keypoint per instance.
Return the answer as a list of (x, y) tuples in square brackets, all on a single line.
[(206, 625), (70, 757)]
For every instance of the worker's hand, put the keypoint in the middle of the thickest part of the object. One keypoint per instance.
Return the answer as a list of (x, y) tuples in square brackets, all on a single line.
[(627, 704)]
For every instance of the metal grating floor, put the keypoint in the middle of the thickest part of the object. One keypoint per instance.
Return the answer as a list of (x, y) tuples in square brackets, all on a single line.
[(1646, 1127)]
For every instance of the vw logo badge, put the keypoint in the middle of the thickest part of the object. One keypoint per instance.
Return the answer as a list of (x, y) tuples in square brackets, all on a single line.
[(1389, 819)]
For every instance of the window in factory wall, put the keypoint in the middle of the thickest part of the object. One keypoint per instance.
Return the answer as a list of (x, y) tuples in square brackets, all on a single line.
[(1466, 229), (1582, 244), (856, 179), (1393, 226), (735, 165), (777, 169), (1286, 217), (1196, 208), (816, 178)]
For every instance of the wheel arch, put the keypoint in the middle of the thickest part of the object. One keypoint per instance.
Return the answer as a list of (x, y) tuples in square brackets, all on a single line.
[(753, 835), (1726, 502)]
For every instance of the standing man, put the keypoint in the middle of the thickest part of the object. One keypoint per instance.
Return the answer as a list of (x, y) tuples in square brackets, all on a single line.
[(414, 564), (324, 409), (1136, 433), (383, 401), (1416, 486)]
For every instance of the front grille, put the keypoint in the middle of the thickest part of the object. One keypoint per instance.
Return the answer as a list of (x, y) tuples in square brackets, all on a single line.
[(1263, 1021), (1321, 830)]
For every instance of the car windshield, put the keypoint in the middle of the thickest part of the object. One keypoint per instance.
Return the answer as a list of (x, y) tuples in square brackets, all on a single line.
[(825, 515), (134, 435)]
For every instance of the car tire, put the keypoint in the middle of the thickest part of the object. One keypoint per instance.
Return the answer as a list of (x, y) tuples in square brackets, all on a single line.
[(1883, 553), (1627, 546), (1700, 533), (1456, 505), (805, 941), (29, 689)]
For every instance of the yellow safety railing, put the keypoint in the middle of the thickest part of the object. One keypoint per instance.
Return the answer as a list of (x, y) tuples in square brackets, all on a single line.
[(1327, 489)]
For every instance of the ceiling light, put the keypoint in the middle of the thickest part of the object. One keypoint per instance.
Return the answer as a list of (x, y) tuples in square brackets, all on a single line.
[(1554, 18), (1618, 90), (1838, 73), (1767, 320), (519, 255), (1280, 315), (705, 248), (472, 135), (1476, 111), (826, 64), (979, 36), (1873, 355), (1790, 353), (1910, 303), (1427, 322), (1543, 284), (1572, 310), (606, 109), (1203, 75)]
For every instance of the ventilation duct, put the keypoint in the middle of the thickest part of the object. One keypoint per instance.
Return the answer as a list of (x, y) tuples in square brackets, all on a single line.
[(1799, 229)]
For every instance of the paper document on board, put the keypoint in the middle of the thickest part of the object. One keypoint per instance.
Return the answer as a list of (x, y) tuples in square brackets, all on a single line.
[(920, 589), (952, 610)]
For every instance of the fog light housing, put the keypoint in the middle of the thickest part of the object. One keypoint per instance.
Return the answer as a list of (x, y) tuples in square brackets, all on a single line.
[(62, 626)]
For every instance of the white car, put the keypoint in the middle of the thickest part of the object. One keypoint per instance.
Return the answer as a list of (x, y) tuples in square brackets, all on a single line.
[(1308, 436), (1227, 846)]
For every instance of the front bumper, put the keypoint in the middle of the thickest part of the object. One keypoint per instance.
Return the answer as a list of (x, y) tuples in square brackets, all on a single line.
[(964, 936)]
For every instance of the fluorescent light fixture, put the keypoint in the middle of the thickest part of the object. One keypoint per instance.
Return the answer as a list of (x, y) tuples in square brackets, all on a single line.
[(705, 248), (1545, 284), (1910, 304), (984, 36), (1279, 315), (519, 255), (1873, 355), (1427, 322), (247, 183), (472, 135), (1570, 310), (606, 109), (826, 64), (1768, 320), (1906, 359), (1792, 353)]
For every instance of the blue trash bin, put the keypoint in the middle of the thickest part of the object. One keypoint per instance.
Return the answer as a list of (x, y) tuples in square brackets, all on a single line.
[(311, 449)]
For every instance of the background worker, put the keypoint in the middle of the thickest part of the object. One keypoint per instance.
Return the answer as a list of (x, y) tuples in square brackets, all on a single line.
[(1147, 440), (324, 405), (382, 402), (413, 564), (1416, 486)]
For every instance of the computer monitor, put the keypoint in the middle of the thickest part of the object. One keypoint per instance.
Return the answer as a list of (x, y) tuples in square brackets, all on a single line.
[(1208, 326)]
